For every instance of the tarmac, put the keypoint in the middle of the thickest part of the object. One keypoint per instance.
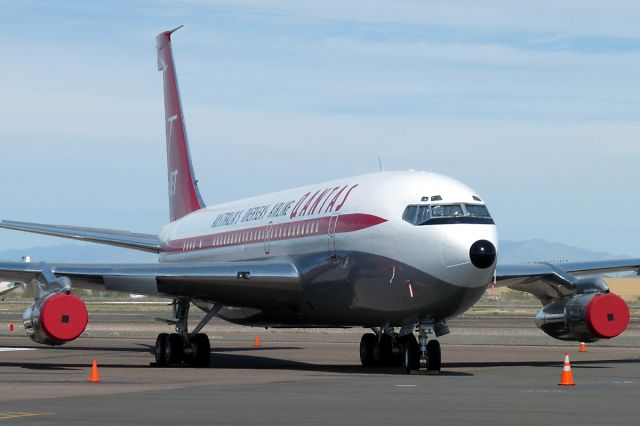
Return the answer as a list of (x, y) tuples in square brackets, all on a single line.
[(314, 377)]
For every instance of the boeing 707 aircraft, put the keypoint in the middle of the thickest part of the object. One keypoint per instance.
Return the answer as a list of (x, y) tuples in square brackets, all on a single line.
[(398, 253)]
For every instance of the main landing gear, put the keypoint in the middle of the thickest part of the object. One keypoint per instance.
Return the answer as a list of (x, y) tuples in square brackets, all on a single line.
[(385, 347), (184, 348)]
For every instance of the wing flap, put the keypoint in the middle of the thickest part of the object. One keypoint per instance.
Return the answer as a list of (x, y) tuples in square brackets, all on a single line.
[(144, 242)]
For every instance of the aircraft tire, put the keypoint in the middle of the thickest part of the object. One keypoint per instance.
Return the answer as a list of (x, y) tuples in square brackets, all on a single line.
[(434, 355), (202, 353), (382, 353), (173, 349), (367, 343), (161, 341), (411, 354)]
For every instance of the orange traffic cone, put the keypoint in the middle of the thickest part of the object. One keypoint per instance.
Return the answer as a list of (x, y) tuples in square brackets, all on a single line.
[(95, 377), (256, 344), (583, 347), (567, 377)]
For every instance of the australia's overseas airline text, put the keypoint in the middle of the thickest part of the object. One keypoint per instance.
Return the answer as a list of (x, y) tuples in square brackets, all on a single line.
[(325, 200)]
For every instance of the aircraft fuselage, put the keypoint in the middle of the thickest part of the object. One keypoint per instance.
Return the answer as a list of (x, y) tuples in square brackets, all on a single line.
[(361, 263)]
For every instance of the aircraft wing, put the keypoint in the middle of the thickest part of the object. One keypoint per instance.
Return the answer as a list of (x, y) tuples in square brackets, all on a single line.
[(549, 281), (144, 242), (251, 284), (8, 287)]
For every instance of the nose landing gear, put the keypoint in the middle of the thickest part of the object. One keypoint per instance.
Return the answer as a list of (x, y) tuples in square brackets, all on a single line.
[(388, 348)]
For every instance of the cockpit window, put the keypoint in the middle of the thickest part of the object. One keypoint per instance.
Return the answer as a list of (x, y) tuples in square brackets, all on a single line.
[(423, 214), (438, 214), (447, 210), (416, 214), (477, 210), (409, 214)]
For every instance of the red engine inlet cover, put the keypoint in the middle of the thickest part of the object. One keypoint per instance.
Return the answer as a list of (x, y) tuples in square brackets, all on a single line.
[(63, 316), (607, 315)]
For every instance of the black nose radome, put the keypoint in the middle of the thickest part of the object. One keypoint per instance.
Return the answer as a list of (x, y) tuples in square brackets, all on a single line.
[(482, 254)]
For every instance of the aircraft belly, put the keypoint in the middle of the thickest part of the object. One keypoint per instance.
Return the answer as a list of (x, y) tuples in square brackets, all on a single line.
[(359, 289)]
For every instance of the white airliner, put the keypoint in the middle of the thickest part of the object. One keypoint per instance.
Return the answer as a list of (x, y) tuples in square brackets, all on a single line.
[(395, 252)]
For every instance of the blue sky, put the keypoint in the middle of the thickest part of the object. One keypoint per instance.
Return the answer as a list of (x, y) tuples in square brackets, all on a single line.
[(536, 105)]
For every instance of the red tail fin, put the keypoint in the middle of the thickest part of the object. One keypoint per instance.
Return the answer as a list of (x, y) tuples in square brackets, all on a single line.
[(184, 196)]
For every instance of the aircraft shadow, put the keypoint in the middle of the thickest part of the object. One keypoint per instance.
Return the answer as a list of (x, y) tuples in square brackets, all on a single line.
[(260, 349), (581, 364), (242, 358), (246, 362), (141, 348)]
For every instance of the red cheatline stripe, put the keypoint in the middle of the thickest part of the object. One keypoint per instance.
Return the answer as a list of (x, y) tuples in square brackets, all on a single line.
[(278, 232)]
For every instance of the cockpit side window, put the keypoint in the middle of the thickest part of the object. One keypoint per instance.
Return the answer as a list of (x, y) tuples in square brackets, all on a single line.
[(409, 214)]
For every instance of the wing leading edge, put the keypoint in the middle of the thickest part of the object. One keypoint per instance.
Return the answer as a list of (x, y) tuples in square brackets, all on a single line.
[(131, 240), (258, 284)]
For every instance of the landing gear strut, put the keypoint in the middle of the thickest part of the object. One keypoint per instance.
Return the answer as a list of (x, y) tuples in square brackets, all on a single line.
[(184, 348)]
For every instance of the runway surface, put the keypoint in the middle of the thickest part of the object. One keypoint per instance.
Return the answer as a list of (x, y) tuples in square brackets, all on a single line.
[(307, 377)]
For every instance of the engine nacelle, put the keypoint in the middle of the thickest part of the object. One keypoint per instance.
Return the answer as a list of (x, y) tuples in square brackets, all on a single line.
[(585, 317), (56, 318)]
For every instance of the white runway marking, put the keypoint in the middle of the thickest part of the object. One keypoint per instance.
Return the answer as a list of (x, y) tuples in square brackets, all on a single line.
[(405, 386), (16, 349)]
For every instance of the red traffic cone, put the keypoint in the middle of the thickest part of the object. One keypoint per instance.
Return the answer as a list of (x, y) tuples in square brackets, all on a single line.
[(95, 377), (11, 328), (567, 377)]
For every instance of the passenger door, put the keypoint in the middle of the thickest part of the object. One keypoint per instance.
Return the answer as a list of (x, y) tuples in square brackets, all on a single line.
[(333, 222), (267, 238)]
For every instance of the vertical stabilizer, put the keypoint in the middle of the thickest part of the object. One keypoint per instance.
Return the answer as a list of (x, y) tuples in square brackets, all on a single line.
[(184, 196)]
